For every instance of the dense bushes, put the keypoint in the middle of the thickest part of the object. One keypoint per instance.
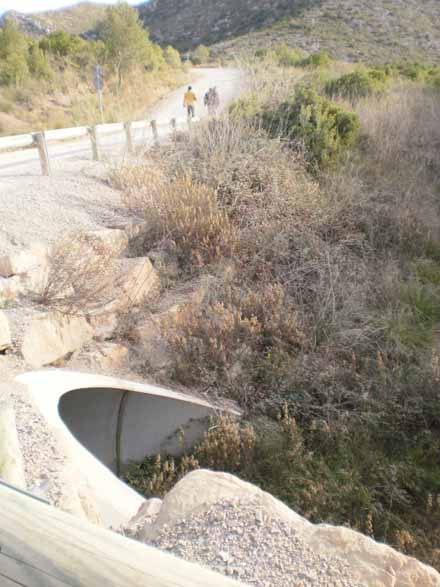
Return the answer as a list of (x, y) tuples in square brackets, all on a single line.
[(319, 59), (323, 129), (356, 85), (323, 322)]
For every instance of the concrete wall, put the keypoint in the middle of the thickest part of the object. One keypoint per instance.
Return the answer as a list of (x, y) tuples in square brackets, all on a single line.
[(119, 426)]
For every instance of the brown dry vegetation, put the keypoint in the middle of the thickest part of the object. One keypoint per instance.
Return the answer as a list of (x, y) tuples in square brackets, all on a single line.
[(82, 276), (328, 303)]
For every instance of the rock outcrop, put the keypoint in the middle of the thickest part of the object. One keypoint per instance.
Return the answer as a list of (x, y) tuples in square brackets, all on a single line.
[(368, 562), (51, 336)]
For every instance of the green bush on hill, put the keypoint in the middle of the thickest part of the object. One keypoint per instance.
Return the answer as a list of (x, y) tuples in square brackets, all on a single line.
[(358, 84), (14, 47), (322, 128), (319, 59), (200, 55)]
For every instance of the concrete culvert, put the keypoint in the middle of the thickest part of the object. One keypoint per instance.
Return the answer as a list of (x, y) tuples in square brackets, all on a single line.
[(120, 426), (101, 424)]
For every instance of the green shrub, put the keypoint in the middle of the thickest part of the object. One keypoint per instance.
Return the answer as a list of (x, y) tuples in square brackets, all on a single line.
[(288, 57), (247, 108), (60, 43), (201, 55), (38, 64), (320, 127), (319, 59), (172, 57), (356, 85)]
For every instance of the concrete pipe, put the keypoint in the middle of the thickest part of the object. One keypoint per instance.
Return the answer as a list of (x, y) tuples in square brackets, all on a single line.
[(102, 423)]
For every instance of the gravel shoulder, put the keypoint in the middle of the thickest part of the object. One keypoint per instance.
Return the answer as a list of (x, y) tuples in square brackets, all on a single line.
[(76, 197), (238, 539)]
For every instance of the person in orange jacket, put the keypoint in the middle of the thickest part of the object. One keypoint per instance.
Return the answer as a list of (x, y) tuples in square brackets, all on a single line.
[(189, 102)]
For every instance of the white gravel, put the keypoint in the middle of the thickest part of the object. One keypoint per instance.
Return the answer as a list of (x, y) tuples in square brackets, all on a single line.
[(47, 209), (43, 460), (238, 539)]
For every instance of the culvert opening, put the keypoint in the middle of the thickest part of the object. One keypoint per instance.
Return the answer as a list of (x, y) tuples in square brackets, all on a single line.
[(119, 426)]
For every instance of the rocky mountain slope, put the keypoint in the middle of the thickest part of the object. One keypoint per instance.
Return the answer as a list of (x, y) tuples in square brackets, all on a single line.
[(77, 19), (377, 30), (187, 23)]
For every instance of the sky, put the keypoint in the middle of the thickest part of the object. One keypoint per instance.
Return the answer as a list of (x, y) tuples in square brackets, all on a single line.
[(38, 5)]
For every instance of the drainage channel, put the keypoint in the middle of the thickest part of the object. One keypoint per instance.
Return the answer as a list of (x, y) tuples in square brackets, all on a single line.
[(120, 426)]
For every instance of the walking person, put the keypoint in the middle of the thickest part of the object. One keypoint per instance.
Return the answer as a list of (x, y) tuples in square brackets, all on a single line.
[(189, 102), (215, 102)]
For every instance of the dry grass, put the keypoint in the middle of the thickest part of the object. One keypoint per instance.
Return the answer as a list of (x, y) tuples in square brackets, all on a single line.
[(82, 276), (180, 213), (330, 303)]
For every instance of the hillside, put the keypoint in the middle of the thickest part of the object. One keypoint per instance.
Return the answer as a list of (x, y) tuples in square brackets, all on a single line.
[(378, 30), (78, 19), (187, 23)]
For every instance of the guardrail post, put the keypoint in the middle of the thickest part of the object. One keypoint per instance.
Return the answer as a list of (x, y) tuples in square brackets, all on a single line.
[(129, 135), (94, 140), (41, 144), (155, 132)]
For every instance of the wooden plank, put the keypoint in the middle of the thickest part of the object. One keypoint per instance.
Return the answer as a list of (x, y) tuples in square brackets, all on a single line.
[(41, 546)]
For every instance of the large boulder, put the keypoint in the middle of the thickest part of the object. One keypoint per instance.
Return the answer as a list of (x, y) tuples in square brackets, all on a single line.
[(112, 242), (102, 356), (24, 261), (139, 280), (369, 562), (11, 288), (5, 332), (51, 336)]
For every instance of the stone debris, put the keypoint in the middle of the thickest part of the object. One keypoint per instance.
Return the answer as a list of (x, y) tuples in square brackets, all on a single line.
[(5, 332), (238, 539)]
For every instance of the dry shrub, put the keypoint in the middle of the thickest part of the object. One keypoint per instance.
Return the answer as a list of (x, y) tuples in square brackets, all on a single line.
[(138, 183), (399, 169), (184, 214), (226, 446), (81, 276), (223, 338)]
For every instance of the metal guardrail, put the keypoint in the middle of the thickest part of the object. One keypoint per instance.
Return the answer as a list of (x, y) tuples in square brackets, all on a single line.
[(40, 140), (23, 492)]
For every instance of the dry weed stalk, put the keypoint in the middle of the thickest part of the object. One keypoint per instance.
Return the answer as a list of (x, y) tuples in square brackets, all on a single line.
[(82, 276)]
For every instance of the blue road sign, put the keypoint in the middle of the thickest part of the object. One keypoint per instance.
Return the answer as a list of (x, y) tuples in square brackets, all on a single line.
[(98, 79)]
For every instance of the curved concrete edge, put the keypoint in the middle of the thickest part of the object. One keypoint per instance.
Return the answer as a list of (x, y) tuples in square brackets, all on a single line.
[(44, 547), (11, 458), (116, 502)]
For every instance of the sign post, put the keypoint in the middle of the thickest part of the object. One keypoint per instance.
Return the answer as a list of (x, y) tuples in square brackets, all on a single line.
[(99, 84)]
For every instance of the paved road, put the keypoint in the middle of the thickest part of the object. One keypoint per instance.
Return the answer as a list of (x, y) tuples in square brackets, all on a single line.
[(26, 162)]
